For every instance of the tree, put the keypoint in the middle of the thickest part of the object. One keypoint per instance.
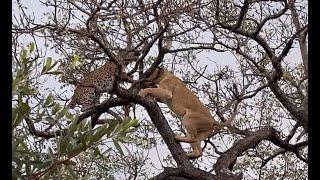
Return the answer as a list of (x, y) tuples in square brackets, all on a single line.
[(247, 57)]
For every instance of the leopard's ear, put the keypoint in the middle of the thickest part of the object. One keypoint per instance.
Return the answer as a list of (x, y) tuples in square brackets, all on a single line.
[(161, 67), (137, 53)]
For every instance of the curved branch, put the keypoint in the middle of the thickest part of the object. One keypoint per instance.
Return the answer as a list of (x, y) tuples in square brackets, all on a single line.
[(43, 134), (273, 16), (102, 108), (300, 114), (161, 124), (265, 161), (227, 160), (243, 12), (185, 168), (183, 173)]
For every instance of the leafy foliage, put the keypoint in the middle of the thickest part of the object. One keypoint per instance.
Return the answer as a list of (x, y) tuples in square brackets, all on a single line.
[(37, 157)]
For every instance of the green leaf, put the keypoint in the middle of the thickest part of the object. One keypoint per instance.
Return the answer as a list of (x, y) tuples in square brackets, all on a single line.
[(55, 109), (61, 113), (23, 55), (23, 111), (96, 152), (44, 164), (286, 75), (112, 126), (31, 47), (22, 145), (76, 58), (46, 65), (28, 67), (102, 167), (99, 133), (70, 170), (25, 90), (15, 83), (83, 126), (40, 114), (72, 127), (127, 124), (118, 128), (106, 151), (63, 144), (14, 144), (54, 72), (48, 62), (49, 101), (14, 113), (16, 174), (52, 66), (77, 150), (118, 147), (69, 116)]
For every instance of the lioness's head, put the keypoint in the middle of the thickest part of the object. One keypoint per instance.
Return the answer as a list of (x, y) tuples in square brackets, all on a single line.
[(155, 77)]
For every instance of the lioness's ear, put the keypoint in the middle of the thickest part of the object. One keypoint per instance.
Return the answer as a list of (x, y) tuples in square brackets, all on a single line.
[(161, 69)]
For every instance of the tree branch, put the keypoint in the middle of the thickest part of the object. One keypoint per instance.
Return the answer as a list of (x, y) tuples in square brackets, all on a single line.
[(43, 134), (225, 163)]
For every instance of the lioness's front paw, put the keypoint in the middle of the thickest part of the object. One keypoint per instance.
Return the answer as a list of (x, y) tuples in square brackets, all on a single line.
[(142, 93), (193, 155), (177, 137)]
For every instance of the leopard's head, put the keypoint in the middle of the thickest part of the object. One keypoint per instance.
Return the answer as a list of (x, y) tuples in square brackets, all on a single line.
[(129, 56)]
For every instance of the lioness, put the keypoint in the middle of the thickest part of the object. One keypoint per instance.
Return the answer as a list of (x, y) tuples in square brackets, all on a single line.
[(196, 118)]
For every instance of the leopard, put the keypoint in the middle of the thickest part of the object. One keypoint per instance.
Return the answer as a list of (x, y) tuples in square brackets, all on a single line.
[(87, 93)]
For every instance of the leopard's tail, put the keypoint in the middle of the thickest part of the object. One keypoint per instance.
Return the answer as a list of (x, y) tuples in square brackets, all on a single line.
[(73, 102)]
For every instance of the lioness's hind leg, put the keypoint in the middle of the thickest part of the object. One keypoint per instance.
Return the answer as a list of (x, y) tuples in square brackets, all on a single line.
[(196, 150), (192, 131), (186, 139)]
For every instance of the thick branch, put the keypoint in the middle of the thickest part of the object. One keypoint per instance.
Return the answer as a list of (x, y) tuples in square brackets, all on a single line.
[(185, 168), (183, 173), (102, 108), (300, 114), (227, 160), (43, 134), (161, 124), (302, 35), (242, 14)]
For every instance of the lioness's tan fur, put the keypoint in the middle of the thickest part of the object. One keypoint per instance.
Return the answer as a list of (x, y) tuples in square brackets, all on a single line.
[(196, 118)]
